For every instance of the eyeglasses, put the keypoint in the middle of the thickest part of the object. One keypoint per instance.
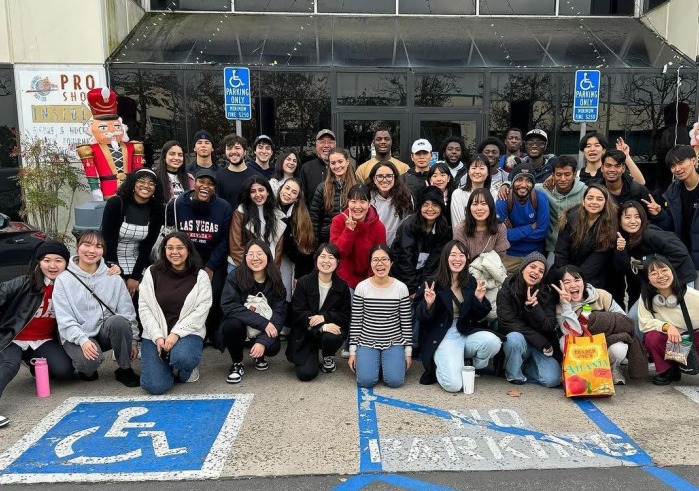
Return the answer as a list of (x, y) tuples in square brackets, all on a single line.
[(384, 177), (145, 182), (535, 143), (657, 273), (430, 206), (255, 255), (382, 260)]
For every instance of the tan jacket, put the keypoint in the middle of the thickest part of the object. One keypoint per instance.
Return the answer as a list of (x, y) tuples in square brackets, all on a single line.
[(238, 237)]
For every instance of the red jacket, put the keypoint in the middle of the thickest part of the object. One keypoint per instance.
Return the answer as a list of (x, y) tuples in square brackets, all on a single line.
[(356, 244)]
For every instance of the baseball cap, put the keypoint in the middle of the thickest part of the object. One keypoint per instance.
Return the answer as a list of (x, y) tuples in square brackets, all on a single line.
[(536, 132), (206, 173), (262, 138), (421, 145), (325, 132)]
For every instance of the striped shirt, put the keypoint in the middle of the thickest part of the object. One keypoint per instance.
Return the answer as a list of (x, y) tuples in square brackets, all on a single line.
[(381, 317)]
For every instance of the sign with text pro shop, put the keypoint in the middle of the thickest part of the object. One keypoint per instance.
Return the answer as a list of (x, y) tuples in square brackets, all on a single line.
[(586, 96), (236, 89)]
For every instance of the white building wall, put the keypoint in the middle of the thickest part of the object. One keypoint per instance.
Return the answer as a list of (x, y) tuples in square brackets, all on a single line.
[(676, 21)]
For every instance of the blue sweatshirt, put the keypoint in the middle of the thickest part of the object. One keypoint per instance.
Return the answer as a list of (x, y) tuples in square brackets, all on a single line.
[(522, 236), (209, 231)]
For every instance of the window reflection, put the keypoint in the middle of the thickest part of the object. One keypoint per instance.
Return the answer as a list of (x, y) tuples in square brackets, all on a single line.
[(274, 6), (359, 133), (193, 5), (371, 89), (525, 101), (357, 6), (517, 7), (449, 90), (10, 198), (438, 7)]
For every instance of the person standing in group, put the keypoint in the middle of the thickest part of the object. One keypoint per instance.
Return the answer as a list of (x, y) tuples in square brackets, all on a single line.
[(206, 219), (593, 147), (173, 304), (230, 179), (660, 315), (513, 149), (416, 177), (259, 217), (620, 184), (390, 197), (330, 196), (535, 142), (381, 325), (452, 310), (95, 313), (254, 309), (493, 148), (263, 150), (172, 172), (567, 192), (587, 236), (441, 177), (203, 152), (382, 141), (321, 309), (477, 176), (451, 151), (28, 326), (286, 167), (314, 171), (527, 315), (131, 222)]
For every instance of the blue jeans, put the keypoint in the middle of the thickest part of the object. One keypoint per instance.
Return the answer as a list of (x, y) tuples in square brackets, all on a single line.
[(522, 357), (157, 376), (390, 360), (480, 346)]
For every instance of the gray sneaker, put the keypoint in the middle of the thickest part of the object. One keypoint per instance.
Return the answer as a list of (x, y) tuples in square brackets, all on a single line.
[(328, 365), (194, 376), (4, 421)]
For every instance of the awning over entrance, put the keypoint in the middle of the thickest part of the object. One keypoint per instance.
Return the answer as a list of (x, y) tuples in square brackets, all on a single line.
[(415, 42)]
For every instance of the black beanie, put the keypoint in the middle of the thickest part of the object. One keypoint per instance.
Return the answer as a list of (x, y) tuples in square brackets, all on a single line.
[(52, 247), (202, 135), (433, 194)]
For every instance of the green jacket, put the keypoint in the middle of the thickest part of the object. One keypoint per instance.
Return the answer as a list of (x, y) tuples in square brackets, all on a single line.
[(559, 203)]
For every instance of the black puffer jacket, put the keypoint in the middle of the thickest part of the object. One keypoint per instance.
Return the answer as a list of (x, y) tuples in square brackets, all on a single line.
[(319, 216), (18, 304)]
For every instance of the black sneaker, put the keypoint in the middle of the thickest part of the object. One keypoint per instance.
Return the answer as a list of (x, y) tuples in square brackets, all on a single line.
[(236, 375), (89, 377), (127, 377), (328, 365), (261, 363), (668, 376)]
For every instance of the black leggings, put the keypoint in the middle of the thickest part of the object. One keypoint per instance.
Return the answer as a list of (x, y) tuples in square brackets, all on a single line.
[(60, 364), (234, 335), (329, 345)]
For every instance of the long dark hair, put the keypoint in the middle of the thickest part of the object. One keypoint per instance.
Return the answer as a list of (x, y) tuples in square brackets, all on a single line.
[(193, 263), (245, 279), (279, 165), (470, 222), (161, 169), (252, 216), (442, 229), (648, 291), (126, 190), (606, 224), (348, 180), (300, 220), (401, 197), (468, 185), (636, 238), (442, 276), (444, 168), (36, 276)]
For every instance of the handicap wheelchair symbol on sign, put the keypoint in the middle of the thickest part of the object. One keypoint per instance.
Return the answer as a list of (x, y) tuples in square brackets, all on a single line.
[(149, 438)]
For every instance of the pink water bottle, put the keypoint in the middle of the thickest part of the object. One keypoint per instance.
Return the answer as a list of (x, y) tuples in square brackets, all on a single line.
[(41, 373)]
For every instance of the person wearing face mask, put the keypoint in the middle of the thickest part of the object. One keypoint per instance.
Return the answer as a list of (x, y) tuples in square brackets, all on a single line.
[(330, 196), (286, 167), (263, 150), (171, 170), (314, 171), (390, 197), (321, 309), (607, 317), (234, 171), (206, 219), (527, 315)]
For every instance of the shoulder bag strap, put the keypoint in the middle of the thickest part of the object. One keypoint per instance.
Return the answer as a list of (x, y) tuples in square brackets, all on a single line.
[(687, 320), (93, 293)]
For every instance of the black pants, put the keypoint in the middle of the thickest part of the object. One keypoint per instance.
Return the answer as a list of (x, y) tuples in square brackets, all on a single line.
[(60, 364), (235, 334), (329, 344), (213, 320)]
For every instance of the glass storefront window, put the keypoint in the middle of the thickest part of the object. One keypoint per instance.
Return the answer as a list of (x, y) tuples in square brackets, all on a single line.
[(449, 90), (356, 6), (437, 7), (359, 133), (517, 7), (192, 5), (596, 7), (371, 89), (273, 6), (10, 198)]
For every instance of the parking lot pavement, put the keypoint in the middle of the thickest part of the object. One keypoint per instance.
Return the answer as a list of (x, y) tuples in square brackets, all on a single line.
[(273, 425)]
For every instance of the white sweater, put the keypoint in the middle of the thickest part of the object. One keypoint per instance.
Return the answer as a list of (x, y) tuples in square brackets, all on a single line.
[(672, 315), (192, 316)]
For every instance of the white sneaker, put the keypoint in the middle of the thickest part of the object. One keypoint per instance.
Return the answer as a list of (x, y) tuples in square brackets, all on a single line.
[(618, 377), (194, 376), (345, 354), (4, 421)]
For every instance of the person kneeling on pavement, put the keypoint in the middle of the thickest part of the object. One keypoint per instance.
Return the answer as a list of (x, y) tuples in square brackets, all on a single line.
[(174, 301), (95, 313)]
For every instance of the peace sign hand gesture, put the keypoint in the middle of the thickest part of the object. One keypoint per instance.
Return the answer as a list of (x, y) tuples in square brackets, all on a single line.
[(563, 295), (653, 207), (532, 301), (620, 242), (480, 289), (349, 223), (429, 294), (623, 146)]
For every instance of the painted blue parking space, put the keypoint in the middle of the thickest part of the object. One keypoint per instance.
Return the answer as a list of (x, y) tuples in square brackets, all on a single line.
[(148, 438)]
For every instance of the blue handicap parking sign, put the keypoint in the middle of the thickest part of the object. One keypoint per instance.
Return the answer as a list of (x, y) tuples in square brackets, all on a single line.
[(586, 96), (98, 439), (237, 97)]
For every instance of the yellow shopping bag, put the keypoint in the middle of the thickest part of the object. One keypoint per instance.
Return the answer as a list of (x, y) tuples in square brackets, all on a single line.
[(586, 369)]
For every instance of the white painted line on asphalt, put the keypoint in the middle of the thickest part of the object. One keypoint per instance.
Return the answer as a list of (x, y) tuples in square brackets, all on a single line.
[(690, 391)]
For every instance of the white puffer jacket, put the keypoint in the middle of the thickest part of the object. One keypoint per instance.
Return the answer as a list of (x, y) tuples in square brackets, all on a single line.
[(488, 266)]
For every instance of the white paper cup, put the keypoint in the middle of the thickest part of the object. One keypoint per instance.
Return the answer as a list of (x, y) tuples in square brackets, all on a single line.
[(468, 376)]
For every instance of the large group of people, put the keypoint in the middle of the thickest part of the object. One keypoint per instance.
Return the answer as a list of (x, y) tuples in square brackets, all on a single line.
[(487, 260)]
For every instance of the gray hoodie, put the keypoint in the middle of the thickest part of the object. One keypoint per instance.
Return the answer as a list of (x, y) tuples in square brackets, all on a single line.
[(559, 203), (78, 314)]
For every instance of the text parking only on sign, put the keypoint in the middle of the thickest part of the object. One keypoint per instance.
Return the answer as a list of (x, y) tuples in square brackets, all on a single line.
[(99, 439), (586, 96), (236, 85)]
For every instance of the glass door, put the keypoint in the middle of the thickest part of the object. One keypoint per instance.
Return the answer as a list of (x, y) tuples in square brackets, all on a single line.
[(437, 127), (355, 132)]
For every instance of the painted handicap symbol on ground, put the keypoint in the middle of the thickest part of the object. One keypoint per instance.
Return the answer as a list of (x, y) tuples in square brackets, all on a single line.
[(119, 439)]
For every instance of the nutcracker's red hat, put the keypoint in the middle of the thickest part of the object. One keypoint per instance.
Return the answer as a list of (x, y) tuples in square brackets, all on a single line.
[(103, 103)]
